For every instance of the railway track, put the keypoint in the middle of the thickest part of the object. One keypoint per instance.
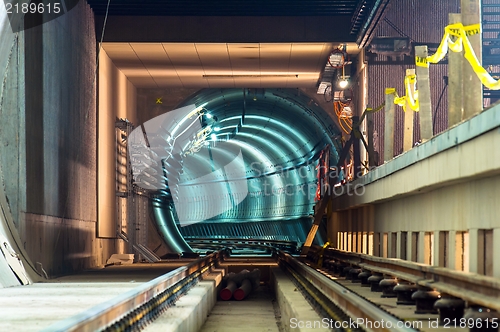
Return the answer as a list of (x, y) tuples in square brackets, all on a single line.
[(335, 290), (346, 310), (133, 310), (422, 297)]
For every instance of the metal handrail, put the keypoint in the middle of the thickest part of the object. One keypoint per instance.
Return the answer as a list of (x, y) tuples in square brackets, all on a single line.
[(471, 287), (103, 315)]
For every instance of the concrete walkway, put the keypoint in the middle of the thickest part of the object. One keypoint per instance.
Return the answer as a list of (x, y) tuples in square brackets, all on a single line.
[(255, 313), (35, 307)]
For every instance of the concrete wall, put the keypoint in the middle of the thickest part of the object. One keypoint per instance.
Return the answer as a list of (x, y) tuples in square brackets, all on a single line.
[(117, 99), (436, 204), (49, 143), (11, 138)]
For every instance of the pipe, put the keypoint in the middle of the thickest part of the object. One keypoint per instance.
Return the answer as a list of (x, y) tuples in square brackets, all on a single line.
[(227, 292), (167, 229), (243, 290)]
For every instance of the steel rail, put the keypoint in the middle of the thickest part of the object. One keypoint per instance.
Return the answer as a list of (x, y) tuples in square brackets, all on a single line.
[(471, 287), (359, 309), (240, 240), (262, 243), (148, 296)]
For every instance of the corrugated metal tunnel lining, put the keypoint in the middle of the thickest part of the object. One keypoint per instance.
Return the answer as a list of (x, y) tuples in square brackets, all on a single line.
[(245, 156)]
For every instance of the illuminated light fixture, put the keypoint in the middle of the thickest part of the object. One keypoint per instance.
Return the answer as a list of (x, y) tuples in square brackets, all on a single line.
[(252, 76), (343, 83), (217, 128), (209, 116), (214, 137)]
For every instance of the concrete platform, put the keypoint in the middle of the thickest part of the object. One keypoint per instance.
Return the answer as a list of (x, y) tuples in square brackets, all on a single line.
[(37, 306), (190, 310)]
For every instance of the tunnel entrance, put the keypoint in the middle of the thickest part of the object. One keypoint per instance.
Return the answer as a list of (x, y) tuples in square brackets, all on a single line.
[(234, 163)]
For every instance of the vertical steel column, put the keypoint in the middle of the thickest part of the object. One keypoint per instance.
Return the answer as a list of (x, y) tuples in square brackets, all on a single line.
[(372, 159), (356, 147), (362, 104)]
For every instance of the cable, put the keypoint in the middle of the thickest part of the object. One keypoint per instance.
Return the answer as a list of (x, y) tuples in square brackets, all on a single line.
[(328, 93), (398, 30), (343, 58), (445, 78), (100, 43)]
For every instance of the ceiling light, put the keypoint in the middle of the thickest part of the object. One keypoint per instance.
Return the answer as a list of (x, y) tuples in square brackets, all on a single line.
[(208, 115), (214, 137), (217, 128), (253, 76), (343, 83), (343, 79)]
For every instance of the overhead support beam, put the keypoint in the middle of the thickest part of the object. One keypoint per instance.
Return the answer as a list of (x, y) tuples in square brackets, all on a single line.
[(225, 29), (365, 33)]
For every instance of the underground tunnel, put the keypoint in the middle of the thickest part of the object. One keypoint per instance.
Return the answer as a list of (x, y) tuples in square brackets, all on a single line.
[(151, 149), (239, 163)]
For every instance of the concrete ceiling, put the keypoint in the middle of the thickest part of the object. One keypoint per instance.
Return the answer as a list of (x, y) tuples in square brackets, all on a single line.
[(361, 15), (231, 44), (220, 65)]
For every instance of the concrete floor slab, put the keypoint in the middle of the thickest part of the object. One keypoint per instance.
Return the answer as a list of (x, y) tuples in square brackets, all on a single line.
[(37, 306), (255, 313), (297, 314)]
